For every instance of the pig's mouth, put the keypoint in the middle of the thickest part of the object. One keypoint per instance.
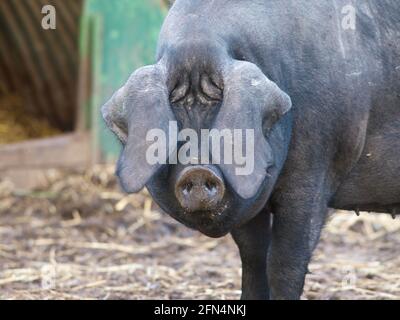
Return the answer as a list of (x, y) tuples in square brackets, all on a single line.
[(212, 223), (232, 212), (200, 193), (201, 199)]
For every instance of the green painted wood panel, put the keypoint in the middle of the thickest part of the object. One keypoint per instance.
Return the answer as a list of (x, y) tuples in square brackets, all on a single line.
[(123, 36)]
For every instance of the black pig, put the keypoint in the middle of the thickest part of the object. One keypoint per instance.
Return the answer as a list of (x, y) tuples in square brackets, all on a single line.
[(323, 98)]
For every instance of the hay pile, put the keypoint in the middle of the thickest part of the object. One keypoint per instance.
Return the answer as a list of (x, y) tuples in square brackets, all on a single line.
[(18, 125), (80, 238)]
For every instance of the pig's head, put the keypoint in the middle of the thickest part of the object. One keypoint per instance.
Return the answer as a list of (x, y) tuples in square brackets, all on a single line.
[(201, 86)]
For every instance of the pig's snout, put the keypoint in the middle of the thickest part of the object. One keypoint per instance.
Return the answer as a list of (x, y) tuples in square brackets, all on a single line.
[(199, 188)]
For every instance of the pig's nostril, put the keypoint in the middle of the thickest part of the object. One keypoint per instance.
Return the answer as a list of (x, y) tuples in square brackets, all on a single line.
[(210, 185), (187, 187)]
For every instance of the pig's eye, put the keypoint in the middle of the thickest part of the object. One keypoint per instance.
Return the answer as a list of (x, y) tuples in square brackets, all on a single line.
[(210, 89), (179, 93)]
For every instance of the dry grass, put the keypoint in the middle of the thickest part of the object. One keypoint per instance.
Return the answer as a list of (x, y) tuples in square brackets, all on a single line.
[(17, 125), (81, 238)]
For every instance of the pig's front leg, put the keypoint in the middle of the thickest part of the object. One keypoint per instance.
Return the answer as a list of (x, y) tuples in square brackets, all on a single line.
[(296, 229), (299, 214), (253, 241)]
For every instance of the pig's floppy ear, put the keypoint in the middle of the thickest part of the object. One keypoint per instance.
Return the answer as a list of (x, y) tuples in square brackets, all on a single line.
[(114, 115), (251, 101), (135, 109)]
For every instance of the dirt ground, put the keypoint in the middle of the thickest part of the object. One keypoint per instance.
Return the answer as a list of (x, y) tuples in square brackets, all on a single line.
[(81, 238)]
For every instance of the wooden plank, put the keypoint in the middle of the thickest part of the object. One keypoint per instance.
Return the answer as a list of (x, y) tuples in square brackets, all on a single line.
[(26, 179), (66, 151)]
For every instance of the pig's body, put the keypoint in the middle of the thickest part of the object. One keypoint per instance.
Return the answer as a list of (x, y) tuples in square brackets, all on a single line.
[(341, 138), (344, 84)]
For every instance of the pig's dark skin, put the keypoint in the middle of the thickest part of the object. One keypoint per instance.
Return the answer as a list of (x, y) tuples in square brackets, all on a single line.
[(338, 146)]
